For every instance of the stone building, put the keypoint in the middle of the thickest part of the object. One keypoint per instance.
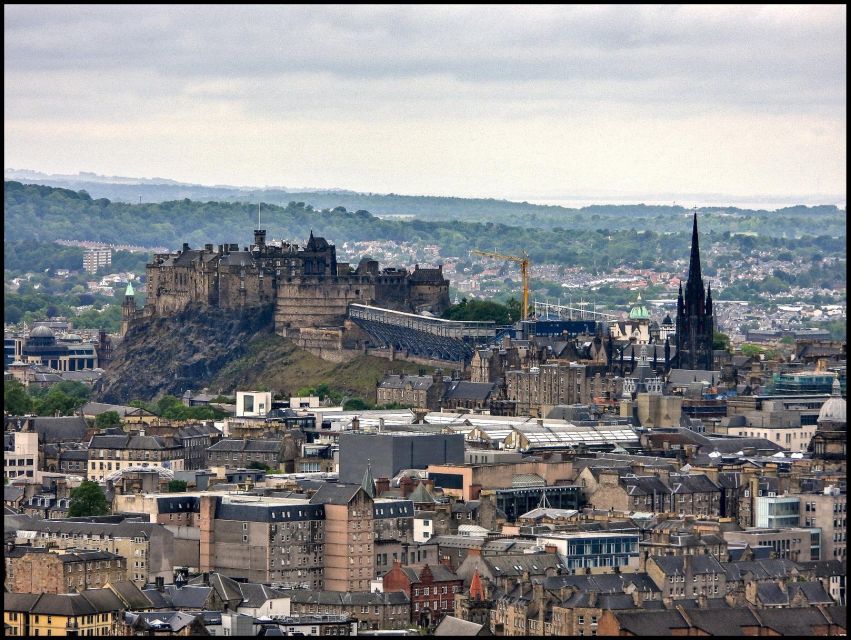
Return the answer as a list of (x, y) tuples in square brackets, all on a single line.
[(36, 570), (148, 547), (231, 452), (307, 286), (108, 453), (415, 391), (93, 612), (536, 391), (388, 610)]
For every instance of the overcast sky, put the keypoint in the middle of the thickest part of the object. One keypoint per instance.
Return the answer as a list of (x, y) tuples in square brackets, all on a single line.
[(519, 102)]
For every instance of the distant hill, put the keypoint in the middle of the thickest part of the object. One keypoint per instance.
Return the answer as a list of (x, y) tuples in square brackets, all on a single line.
[(438, 208), (36, 212)]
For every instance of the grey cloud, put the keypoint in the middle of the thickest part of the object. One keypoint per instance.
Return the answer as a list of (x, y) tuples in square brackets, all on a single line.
[(482, 44)]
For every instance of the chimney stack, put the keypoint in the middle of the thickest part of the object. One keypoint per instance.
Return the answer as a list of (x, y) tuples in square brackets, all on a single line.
[(382, 485)]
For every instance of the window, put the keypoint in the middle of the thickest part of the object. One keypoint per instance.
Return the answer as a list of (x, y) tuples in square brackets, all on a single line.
[(425, 591)]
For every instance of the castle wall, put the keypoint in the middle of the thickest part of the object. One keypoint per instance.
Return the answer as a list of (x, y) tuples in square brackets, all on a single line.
[(433, 296), (240, 287), (319, 302)]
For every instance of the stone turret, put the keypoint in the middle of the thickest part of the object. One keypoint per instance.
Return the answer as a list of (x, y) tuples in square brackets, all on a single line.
[(128, 308)]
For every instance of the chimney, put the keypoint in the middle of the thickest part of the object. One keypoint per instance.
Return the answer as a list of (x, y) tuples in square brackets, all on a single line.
[(550, 548), (446, 561), (406, 486), (355, 424), (382, 485), (636, 598), (592, 599), (380, 424)]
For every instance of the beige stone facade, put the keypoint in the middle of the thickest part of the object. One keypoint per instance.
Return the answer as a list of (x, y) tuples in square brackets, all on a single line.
[(43, 572)]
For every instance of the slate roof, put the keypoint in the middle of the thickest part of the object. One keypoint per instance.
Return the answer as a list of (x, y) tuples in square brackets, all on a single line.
[(651, 623), (825, 568), (19, 601), (729, 623), (132, 595), (699, 483), (67, 429), (341, 598), (798, 621), (421, 495), (189, 596), (464, 390), (515, 565), (160, 620), (255, 595), (74, 454), (97, 408), (700, 564), (335, 493), (761, 569), (419, 383), (439, 572), (12, 493), (644, 485), (681, 377), (603, 583), (452, 626), (242, 445)]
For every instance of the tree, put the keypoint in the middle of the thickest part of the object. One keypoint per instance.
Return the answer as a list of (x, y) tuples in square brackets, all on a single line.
[(720, 341), (16, 401), (254, 464), (751, 350), (355, 404), (176, 486), (88, 500), (108, 419)]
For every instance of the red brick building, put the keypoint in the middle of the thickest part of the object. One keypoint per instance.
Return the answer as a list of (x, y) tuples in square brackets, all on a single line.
[(431, 590)]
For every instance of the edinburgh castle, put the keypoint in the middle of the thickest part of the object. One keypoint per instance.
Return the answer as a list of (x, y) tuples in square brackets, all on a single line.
[(308, 287)]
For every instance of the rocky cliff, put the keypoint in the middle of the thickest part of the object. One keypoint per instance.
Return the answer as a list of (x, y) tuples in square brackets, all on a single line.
[(224, 351)]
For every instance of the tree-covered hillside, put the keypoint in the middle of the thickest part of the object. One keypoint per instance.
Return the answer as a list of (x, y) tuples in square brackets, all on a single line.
[(34, 212)]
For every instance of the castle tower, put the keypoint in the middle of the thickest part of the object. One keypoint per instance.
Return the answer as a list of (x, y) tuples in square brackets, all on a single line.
[(695, 320), (128, 308)]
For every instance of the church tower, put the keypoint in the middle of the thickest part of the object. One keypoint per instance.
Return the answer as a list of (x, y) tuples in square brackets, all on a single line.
[(128, 308), (695, 319)]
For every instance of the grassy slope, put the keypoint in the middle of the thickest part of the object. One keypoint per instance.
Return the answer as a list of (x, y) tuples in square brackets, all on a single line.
[(276, 364)]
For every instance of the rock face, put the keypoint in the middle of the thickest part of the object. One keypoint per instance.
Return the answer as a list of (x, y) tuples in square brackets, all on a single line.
[(184, 351)]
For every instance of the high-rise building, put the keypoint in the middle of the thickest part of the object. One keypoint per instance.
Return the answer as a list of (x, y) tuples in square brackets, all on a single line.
[(94, 259), (695, 320)]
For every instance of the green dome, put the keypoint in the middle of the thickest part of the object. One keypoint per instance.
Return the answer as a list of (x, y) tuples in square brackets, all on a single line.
[(639, 311)]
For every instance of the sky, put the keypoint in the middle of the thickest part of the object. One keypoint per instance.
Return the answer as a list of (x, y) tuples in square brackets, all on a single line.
[(521, 102)]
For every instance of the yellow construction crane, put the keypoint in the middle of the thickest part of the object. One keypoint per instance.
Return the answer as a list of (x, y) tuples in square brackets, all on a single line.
[(524, 273)]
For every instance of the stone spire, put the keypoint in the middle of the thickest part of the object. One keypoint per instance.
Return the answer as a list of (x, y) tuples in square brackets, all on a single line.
[(129, 291), (694, 262), (368, 483)]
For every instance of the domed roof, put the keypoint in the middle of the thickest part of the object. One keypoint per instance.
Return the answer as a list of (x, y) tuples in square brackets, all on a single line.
[(41, 332), (667, 320), (639, 311), (834, 409)]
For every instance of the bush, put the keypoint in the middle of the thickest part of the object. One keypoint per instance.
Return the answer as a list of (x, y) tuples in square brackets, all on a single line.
[(176, 486)]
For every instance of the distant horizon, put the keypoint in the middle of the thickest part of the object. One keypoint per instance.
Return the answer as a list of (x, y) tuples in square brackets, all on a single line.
[(579, 200)]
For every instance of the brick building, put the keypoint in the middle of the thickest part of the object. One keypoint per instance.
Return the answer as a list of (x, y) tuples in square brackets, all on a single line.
[(431, 590)]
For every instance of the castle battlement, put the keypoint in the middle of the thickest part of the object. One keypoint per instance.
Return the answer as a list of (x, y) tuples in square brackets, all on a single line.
[(307, 286)]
